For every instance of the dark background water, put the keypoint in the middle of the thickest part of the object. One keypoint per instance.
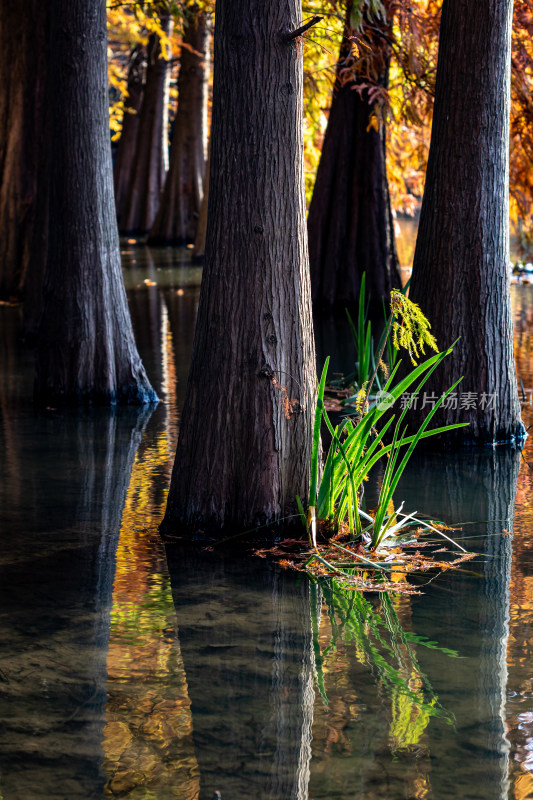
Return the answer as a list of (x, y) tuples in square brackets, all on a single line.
[(132, 670)]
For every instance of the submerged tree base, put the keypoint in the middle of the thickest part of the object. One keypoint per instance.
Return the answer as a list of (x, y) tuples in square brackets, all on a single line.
[(175, 528), (337, 555), (129, 394), (512, 436)]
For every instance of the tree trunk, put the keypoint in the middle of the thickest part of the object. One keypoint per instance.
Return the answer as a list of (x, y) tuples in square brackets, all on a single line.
[(86, 349), (253, 370), (199, 242), (350, 220), (125, 155), (22, 72), (33, 285), (177, 218), (148, 168), (460, 273)]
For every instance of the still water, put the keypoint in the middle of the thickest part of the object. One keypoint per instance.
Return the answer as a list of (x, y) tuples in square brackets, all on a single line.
[(133, 670)]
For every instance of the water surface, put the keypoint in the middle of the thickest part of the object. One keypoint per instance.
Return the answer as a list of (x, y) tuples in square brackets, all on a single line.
[(133, 670)]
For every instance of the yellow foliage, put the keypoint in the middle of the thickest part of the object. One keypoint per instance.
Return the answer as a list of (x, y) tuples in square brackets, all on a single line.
[(410, 329), (410, 717), (130, 25), (361, 399), (320, 52), (373, 123), (406, 106)]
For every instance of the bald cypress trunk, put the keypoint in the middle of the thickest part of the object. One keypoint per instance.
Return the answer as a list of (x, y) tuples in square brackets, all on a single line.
[(201, 232), (245, 435), (179, 210), (350, 220), (86, 349), (460, 273), (22, 76), (124, 159), (149, 162)]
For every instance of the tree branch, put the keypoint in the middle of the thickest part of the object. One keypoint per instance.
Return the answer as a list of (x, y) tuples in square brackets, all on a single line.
[(289, 37)]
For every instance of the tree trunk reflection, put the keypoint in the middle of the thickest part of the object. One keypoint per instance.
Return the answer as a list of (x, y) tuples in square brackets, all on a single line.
[(57, 563), (246, 643), (478, 487)]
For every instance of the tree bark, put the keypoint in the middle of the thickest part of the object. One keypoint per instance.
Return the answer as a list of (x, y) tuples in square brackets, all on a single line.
[(33, 284), (125, 155), (201, 231), (149, 168), (245, 438), (350, 221), (86, 350), (177, 218), (460, 273), (22, 74)]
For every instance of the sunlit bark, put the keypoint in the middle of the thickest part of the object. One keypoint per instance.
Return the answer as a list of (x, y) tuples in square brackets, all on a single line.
[(179, 209), (461, 264), (148, 165), (125, 155), (199, 242)]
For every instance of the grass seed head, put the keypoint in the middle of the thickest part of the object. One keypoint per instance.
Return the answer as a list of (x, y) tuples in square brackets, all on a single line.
[(411, 329)]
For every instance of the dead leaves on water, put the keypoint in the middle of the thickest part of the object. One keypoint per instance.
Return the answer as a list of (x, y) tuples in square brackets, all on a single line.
[(361, 569)]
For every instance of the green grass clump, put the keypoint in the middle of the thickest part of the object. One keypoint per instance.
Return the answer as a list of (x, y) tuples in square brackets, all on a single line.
[(358, 444)]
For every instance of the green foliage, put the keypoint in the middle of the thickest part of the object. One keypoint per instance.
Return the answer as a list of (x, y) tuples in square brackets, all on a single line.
[(365, 357), (386, 524), (368, 359), (386, 649), (310, 520), (357, 445)]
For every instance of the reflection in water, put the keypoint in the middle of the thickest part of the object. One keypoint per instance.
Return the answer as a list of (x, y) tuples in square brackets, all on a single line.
[(148, 733), (522, 299), (165, 267), (246, 643), (210, 676), (57, 562), (378, 701), (520, 646), (387, 649), (473, 614)]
